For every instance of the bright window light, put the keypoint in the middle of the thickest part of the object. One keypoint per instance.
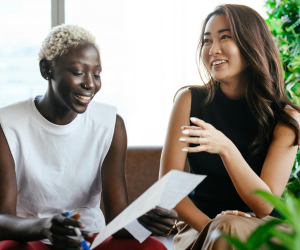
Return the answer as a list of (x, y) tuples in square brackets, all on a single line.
[(24, 25), (148, 52)]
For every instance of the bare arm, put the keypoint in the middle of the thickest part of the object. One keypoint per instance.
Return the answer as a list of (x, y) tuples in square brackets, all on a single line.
[(19, 229), (11, 227), (113, 177), (158, 220), (276, 169), (174, 158), (275, 172)]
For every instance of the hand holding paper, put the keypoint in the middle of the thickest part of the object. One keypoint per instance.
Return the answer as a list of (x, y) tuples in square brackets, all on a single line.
[(166, 193), (159, 221)]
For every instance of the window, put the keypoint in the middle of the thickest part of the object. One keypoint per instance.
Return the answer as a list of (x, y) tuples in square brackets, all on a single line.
[(148, 52), (24, 25)]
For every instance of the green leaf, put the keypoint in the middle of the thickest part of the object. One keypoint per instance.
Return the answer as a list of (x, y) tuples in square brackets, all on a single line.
[(290, 85), (262, 233), (293, 97), (276, 202), (236, 242), (272, 246), (295, 63), (286, 239), (291, 69), (296, 88), (290, 78)]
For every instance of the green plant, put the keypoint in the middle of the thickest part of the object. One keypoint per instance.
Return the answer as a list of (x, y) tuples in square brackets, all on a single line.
[(284, 23), (267, 236)]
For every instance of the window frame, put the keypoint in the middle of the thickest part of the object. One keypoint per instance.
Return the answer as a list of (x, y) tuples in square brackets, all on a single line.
[(57, 12)]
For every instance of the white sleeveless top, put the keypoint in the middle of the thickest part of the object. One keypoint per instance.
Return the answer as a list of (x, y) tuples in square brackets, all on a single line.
[(58, 168)]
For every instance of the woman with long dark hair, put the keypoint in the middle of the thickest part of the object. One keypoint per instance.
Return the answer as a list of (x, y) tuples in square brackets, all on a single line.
[(239, 129)]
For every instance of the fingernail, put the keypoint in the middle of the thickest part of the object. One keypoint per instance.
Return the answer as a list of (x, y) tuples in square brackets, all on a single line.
[(184, 149), (90, 234), (182, 139), (182, 127), (193, 119), (218, 215), (248, 215), (186, 132), (89, 244), (82, 225)]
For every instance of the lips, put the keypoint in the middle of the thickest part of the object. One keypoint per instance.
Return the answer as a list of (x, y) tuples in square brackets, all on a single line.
[(83, 99), (218, 62)]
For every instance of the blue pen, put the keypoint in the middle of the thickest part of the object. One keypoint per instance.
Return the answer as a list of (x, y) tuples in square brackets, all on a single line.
[(79, 235)]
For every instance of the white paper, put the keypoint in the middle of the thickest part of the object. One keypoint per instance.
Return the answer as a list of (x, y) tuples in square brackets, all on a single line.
[(138, 231), (166, 193)]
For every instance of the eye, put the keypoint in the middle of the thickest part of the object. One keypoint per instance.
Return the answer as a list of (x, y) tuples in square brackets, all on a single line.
[(97, 76), (77, 74), (225, 36), (206, 40)]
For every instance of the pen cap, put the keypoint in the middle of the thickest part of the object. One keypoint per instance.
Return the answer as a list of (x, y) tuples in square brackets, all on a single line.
[(84, 245)]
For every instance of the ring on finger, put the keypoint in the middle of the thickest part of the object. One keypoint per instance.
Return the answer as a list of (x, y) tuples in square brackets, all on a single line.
[(170, 229), (235, 212)]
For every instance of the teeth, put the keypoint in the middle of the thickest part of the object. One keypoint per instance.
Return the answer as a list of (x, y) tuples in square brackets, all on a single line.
[(84, 97), (218, 62)]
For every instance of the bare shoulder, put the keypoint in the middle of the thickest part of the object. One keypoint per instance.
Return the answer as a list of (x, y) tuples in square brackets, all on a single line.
[(293, 113), (283, 129), (183, 100), (119, 122), (120, 134), (183, 95)]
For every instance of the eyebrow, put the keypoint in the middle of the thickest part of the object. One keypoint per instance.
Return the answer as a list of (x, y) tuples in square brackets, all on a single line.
[(220, 31), (78, 62)]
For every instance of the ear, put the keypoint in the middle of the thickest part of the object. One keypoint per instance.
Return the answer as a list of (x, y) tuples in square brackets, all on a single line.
[(45, 70)]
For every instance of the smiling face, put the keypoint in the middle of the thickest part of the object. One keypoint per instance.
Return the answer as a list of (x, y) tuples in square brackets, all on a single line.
[(220, 53), (76, 77)]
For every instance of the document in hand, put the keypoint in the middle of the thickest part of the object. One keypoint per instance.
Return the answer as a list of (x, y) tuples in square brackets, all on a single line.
[(166, 193)]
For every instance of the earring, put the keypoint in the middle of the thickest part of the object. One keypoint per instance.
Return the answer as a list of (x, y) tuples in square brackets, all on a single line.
[(47, 78)]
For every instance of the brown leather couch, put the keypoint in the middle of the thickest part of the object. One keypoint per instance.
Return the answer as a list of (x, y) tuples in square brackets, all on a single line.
[(141, 170)]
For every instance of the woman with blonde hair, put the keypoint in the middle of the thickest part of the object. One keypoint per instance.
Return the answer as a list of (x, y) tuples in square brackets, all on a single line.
[(239, 129), (59, 151)]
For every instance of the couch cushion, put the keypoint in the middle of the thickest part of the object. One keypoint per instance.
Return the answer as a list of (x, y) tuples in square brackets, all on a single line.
[(141, 170)]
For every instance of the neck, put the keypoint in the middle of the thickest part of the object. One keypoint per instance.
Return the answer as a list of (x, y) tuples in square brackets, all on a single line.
[(54, 110), (234, 92), (234, 88)]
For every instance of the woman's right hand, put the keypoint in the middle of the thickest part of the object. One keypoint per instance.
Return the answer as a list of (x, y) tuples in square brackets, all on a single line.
[(57, 229), (234, 212)]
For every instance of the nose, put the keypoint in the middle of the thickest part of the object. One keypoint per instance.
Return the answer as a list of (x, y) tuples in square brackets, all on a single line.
[(89, 82), (215, 49)]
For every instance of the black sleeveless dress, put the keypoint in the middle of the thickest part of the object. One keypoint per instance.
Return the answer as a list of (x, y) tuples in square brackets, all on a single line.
[(235, 120)]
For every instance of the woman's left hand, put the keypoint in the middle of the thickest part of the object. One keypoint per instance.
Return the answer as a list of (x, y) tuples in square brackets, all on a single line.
[(159, 221), (210, 139)]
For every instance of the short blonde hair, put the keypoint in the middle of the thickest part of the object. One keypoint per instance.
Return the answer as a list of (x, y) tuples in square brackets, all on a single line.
[(61, 38)]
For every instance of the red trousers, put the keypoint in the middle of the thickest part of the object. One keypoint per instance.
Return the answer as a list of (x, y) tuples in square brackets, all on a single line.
[(109, 244)]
